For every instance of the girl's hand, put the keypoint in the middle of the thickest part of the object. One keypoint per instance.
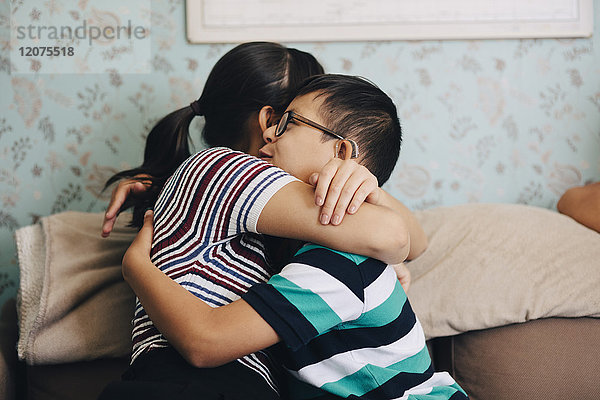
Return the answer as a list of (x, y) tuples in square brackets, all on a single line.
[(125, 188), (139, 250), (342, 186), (403, 274)]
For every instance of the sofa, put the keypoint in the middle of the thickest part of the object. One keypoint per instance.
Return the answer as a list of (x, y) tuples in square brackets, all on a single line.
[(507, 295)]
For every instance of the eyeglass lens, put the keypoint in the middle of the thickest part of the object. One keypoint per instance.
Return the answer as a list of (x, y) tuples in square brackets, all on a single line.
[(282, 124)]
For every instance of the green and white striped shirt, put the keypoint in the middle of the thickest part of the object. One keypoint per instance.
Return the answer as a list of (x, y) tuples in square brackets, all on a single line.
[(348, 330)]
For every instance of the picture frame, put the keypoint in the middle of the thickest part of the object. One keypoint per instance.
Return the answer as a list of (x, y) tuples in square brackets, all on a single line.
[(235, 21)]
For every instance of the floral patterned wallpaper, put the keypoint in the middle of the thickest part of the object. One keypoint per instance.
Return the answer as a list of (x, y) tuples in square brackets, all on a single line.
[(510, 121)]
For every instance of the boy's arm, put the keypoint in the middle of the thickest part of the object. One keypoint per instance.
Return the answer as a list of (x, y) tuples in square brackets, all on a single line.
[(125, 188), (209, 337), (204, 336)]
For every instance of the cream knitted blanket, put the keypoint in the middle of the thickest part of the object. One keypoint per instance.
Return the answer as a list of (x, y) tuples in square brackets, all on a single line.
[(72, 302)]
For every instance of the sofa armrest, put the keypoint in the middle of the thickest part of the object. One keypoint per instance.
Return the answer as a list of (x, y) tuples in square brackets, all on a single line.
[(9, 363)]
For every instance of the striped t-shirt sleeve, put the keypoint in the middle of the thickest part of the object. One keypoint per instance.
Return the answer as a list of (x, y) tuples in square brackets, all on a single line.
[(214, 195), (307, 298)]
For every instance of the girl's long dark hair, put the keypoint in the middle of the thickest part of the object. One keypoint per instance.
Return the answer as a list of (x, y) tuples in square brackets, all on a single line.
[(247, 78)]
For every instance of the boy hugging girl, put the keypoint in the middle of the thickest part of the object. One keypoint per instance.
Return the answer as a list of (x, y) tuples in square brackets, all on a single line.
[(210, 302)]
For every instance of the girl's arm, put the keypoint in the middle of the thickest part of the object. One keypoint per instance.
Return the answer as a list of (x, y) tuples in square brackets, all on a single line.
[(418, 238), (374, 230), (343, 185), (340, 186)]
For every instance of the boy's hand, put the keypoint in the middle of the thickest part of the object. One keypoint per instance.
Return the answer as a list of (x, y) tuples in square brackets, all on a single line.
[(125, 188), (139, 250), (342, 186), (403, 274)]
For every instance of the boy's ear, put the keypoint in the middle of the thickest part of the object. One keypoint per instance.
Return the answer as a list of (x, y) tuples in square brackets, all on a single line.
[(266, 118), (343, 149)]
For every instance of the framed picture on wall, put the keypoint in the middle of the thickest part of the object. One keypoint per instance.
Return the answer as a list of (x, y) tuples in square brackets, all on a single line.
[(234, 21)]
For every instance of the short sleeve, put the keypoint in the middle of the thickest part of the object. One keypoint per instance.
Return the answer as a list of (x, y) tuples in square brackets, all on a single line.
[(214, 195), (315, 292)]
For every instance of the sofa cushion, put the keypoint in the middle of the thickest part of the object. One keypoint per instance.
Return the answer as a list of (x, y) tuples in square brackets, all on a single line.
[(554, 358), (490, 265)]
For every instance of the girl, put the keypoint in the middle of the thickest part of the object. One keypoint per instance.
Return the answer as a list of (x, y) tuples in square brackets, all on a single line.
[(246, 92)]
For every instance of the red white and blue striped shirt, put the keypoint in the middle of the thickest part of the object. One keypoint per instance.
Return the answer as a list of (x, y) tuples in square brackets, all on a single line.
[(205, 236)]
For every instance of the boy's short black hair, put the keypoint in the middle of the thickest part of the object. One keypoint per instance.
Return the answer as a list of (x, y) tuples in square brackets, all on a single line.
[(356, 109)]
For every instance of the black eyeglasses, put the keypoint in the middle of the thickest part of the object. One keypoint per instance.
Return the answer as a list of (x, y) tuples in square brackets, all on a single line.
[(290, 115)]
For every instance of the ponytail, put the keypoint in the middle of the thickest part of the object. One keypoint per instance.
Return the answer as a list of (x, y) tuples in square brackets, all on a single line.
[(167, 146), (196, 107)]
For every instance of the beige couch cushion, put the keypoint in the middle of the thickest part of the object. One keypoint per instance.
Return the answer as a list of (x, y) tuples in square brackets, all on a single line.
[(490, 265)]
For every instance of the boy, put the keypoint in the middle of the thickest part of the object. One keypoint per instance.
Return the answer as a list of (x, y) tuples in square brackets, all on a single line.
[(344, 318)]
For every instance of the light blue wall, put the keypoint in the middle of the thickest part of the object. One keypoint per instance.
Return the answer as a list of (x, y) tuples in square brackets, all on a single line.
[(514, 121)]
